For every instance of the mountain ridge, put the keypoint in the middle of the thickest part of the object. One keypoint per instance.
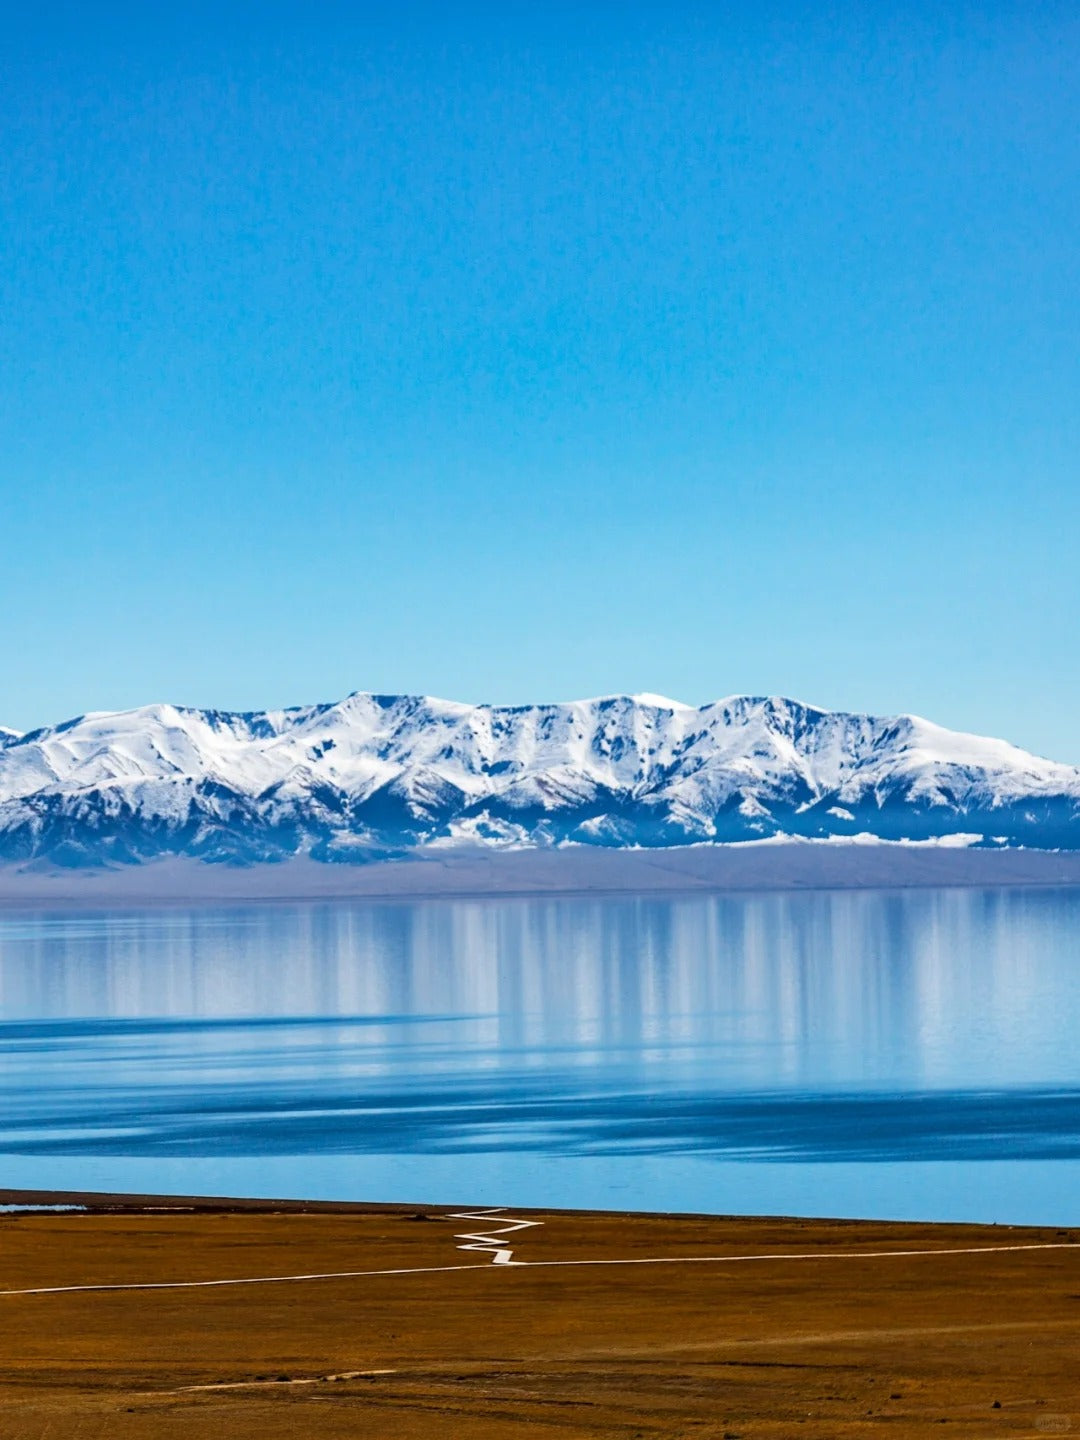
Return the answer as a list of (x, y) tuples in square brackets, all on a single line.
[(378, 776)]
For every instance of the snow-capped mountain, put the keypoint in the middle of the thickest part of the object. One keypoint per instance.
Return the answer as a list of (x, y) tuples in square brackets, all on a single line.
[(379, 775)]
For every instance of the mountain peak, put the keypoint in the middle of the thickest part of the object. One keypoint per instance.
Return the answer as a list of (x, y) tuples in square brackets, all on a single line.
[(394, 774)]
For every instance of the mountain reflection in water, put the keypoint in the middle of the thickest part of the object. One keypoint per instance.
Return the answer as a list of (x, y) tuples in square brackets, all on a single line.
[(817, 1028)]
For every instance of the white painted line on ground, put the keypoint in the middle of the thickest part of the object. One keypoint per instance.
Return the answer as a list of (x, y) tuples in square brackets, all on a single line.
[(488, 1242), (810, 1255), (243, 1280), (554, 1264)]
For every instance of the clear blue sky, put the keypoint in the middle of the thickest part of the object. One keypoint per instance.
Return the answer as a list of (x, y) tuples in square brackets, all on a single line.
[(512, 355)]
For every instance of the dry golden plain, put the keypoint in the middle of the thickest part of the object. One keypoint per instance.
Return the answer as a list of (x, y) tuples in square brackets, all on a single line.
[(837, 1340)]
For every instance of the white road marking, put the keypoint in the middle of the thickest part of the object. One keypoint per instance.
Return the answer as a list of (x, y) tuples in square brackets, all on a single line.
[(812, 1255), (487, 1242), (552, 1264), (243, 1280)]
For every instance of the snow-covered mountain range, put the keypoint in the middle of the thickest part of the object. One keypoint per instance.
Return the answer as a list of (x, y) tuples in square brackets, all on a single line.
[(381, 775)]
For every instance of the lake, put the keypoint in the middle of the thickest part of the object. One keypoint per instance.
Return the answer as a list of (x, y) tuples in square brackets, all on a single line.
[(904, 1054)]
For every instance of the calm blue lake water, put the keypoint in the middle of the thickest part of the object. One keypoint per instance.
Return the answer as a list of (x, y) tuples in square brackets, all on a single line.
[(912, 1055)]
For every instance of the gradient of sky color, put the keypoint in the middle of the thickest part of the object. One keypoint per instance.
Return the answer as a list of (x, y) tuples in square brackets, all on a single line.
[(514, 356)]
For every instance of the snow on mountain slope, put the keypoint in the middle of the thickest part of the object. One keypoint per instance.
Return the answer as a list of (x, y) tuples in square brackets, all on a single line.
[(377, 775)]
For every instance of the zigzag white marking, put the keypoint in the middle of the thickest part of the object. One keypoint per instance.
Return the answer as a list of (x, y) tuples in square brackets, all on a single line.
[(487, 1242)]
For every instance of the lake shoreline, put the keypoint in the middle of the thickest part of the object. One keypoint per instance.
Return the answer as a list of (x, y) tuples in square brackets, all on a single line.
[(578, 871), (101, 1202)]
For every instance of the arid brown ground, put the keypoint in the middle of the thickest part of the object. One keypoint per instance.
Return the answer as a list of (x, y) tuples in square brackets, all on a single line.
[(967, 1345)]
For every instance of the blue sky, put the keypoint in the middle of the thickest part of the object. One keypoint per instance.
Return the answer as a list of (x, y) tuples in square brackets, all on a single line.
[(505, 356)]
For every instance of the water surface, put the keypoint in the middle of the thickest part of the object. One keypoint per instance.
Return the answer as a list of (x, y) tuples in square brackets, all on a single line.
[(904, 1054)]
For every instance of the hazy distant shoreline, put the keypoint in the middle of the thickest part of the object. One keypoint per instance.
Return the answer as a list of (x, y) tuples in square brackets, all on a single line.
[(584, 871)]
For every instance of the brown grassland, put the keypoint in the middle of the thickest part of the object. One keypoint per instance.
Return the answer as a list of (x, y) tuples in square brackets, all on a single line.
[(966, 1345)]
